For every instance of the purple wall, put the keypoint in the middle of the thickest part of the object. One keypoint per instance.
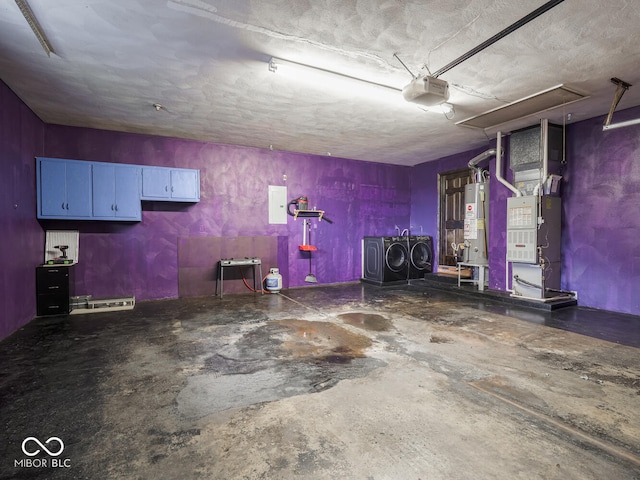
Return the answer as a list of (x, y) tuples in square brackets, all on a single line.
[(600, 226), (22, 240), (140, 259), (601, 221)]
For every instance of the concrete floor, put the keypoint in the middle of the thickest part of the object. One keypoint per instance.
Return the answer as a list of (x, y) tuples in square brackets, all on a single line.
[(334, 382)]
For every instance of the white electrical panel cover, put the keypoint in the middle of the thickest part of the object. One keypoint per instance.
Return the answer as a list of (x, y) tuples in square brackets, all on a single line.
[(277, 205)]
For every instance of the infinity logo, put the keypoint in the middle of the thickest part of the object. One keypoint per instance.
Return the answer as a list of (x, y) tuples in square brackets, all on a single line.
[(34, 439)]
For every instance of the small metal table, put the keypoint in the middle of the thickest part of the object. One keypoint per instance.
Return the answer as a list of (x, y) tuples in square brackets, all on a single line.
[(239, 262), (482, 271)]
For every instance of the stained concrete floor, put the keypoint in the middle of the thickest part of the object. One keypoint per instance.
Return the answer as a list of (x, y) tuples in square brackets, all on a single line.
[(350, 381)]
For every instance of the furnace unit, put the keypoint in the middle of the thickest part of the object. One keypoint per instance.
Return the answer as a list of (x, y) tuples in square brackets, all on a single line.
[(533, 244), (534, 213)]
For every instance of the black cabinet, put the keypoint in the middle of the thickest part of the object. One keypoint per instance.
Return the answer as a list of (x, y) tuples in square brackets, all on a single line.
[(54, 289)]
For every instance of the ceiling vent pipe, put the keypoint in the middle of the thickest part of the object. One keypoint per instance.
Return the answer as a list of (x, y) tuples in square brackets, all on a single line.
[(499, 176), (473, 163)]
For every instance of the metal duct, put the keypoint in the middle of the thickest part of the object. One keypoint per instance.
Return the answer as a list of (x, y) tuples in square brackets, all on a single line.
[(533, 104)]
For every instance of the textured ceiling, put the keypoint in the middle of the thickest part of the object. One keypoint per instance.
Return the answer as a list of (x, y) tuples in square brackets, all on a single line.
[(206, 62)]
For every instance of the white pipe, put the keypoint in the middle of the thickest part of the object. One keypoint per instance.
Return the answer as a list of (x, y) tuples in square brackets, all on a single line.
[(611, 126), (514, 190), (304, 232), (544, 142), (499, 166), (545, 150)]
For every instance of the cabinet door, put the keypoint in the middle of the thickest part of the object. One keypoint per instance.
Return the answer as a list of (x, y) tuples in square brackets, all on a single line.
[(185, 185), (115, 192), (79, 189), (64, 188), (104, 190), (52, 191), (155, 183), (127, 194)]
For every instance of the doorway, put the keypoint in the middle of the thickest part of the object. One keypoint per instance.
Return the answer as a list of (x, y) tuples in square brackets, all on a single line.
[(451, 212)]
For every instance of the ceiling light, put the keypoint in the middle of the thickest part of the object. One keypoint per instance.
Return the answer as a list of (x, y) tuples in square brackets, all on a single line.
[(445, 108), (328, 79), (35, 26)]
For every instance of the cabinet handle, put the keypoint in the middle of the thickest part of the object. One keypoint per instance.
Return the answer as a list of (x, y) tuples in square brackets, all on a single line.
[(112, 207), (116, 208), (166, 188), (171, 188), (62, 206), (54, 287), (67, 206)]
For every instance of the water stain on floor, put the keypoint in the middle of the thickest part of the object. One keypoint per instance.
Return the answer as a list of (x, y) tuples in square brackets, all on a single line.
[(320, 341), (366, 321), (275, 360)]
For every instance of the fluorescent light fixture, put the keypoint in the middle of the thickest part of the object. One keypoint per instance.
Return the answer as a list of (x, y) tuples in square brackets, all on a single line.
[(628, 123), (340, 82), (351, 86), (35, 26), (445, 108)]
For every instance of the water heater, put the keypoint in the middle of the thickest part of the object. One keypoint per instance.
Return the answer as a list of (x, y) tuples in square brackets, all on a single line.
[(476, 222)]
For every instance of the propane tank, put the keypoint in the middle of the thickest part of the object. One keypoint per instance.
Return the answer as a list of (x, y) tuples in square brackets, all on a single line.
[(274, 280)]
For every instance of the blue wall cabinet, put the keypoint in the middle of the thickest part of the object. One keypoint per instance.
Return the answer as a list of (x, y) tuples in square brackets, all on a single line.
[(85, 190), (185, 185), (155, 183), (170, 184), (116, 194), (64, 188)]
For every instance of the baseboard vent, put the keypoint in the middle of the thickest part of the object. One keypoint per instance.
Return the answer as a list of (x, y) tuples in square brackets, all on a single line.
[(86, 304)]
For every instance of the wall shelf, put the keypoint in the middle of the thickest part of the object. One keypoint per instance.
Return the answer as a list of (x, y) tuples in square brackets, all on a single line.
[(308, 214)]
